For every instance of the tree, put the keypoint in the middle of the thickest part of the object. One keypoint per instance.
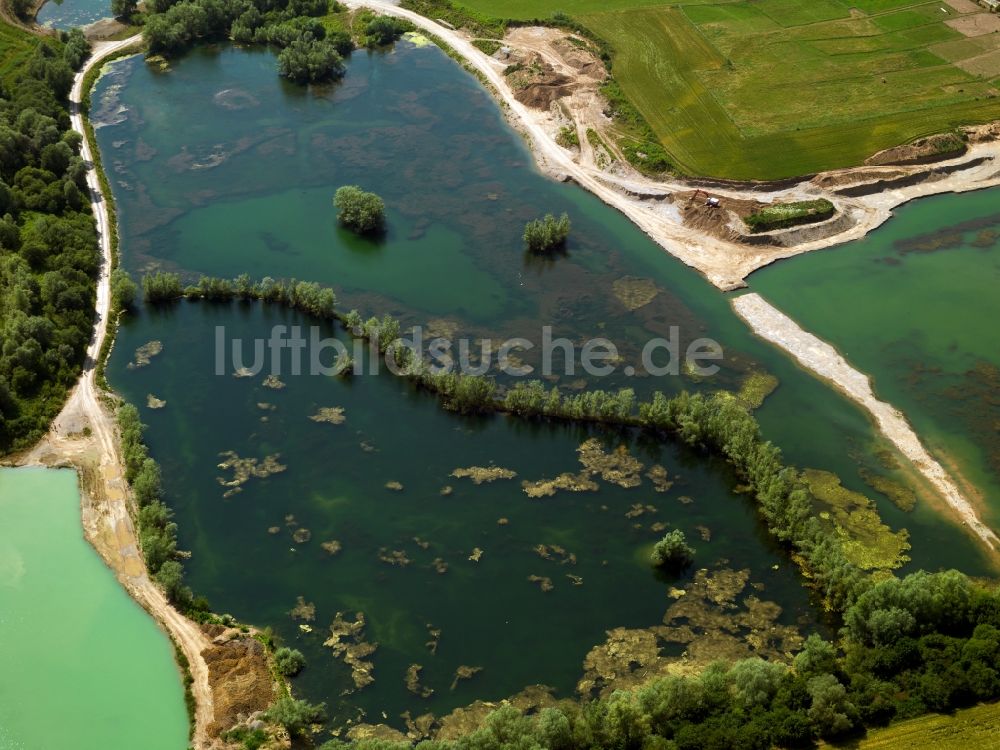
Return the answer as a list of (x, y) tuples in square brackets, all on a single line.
[(289, 661), (546, 234), (123, 290), (672, 551), (310, 61), (831, 713), (162, 287), (383, 30), (362, 212), (295, 715), (123, 9)]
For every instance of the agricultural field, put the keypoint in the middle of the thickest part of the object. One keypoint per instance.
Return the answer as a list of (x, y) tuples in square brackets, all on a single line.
[(776, 88), (971, 727)]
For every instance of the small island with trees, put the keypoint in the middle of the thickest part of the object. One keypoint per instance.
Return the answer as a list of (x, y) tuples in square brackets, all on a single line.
[(547, 234), (359, 211)]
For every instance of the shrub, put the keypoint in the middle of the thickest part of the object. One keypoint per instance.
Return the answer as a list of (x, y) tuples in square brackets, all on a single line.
[(123, 290), (383, 30), (549, 233), (311, 61), (568, 137), (672, 551), (293, 715), (289, 661), (162, 287), (784, 215), (360, 211)]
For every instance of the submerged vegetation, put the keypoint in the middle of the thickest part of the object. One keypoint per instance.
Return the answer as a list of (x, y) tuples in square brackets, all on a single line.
[(927, 642)]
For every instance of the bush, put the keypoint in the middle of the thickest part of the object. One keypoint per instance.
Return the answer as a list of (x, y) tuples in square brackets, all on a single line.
[(383, 30), (360, 211), (162, 287), (311, 61), (784, 215), (672, 551), (289, 661), (123, 290), (549, 233), (293, 715)]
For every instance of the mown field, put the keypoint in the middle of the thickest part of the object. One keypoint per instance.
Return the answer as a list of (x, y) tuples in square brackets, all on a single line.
[(776, 88), (973, 728)]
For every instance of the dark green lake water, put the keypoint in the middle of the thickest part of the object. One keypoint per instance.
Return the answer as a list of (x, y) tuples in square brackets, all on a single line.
[(219, 167)]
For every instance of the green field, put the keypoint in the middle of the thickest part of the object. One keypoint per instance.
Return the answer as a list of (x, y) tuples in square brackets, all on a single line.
[(775, 88), (15, 47)]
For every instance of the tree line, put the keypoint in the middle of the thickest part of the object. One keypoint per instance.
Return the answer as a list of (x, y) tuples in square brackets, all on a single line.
[(48, 244), (308, 51)]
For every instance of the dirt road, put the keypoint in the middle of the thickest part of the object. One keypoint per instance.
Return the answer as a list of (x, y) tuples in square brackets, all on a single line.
[(104, 493)]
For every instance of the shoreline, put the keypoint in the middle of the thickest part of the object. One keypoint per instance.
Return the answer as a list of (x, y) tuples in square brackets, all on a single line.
[(105, 497), (822, 359), (725, 263)]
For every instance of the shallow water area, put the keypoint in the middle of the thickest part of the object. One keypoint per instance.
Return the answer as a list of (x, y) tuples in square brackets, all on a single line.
[(915, 306), (67, 14)]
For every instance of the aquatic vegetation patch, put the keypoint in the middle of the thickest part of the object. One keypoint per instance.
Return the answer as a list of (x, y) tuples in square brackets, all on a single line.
[(464, 673), (659, 477), (273, 382), (476, 555), (303, 610), (480, 474), (634, 292), (393, 485), (347, 642), (867, 542), (756, 388), (434, 638), (985, 238), (330, 415), (152, 402), (145, 353), (555, 553), (713, 617), (618, 467), (638, 509), (244, 469), (331, 547), (395, 557), (898, 493), (566, 481), (976, 400), (544, 582), (412, 681)]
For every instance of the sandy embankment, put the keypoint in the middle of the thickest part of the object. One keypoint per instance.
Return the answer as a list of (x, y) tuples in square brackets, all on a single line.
[(823, 360)]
